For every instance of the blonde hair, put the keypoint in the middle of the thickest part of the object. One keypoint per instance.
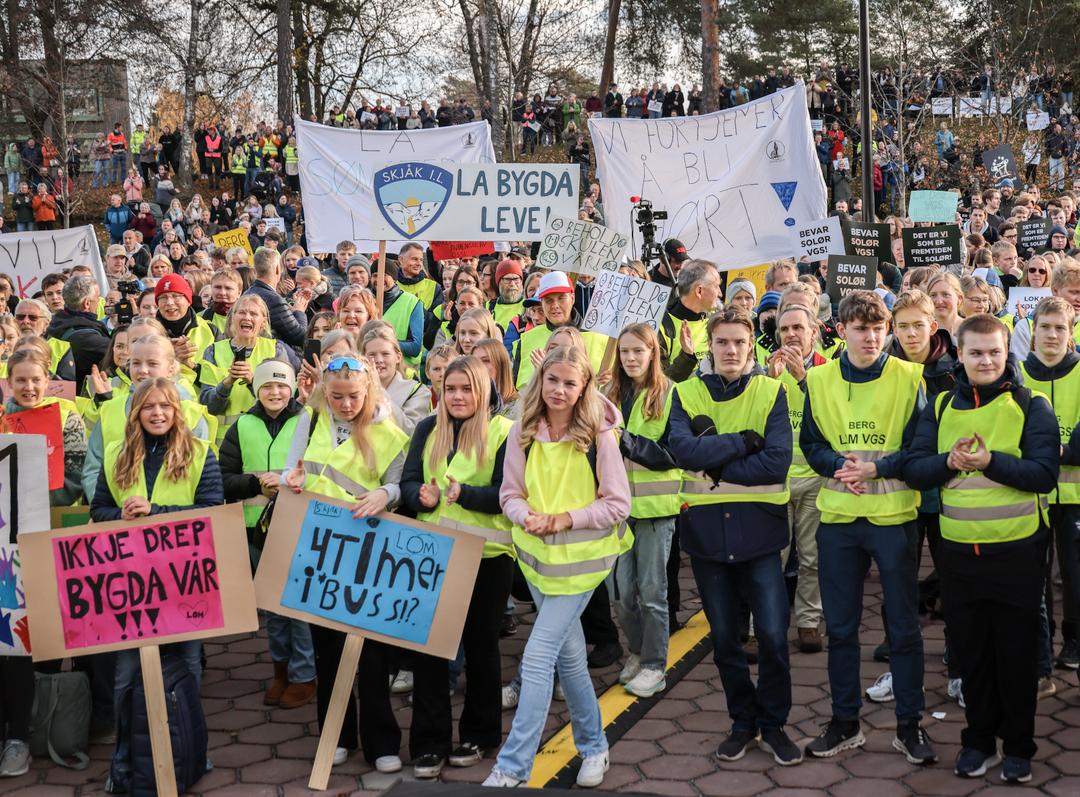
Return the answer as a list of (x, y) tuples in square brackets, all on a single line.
[(34, 343), (952, 281), (914, 299), (373, 397), (367, 299), (243, 301), (655, 384), (33, 355), (387, 336), (155, 327), (482, 317), (504, 371), (576, 341), (162, 342), (587, 413), (472, 435), (1066, 273), (180, 443)]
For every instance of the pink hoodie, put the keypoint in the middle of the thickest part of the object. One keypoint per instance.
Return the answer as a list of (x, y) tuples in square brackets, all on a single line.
[(612, 504)]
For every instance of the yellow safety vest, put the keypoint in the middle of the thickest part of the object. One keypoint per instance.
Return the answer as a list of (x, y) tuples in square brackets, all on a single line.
[(424, 290), (749, 410), (260, 453), (341, 471), (291, 155), (60, 349), (114, 414), (201, 337), (537, 338), (1064, 397), (867, 419), (505, 313), (653, 493), (800, 471), (166, 492), (669, 334), (559, 478), (495, 529), (974, 508), (398, 314), (241, 399)]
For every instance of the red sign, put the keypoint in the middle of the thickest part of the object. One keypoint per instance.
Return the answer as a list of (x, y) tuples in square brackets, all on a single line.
[(46, 421), (451, 250)]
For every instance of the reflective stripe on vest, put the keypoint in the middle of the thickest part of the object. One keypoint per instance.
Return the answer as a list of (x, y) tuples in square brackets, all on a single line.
[(868, 419), (653, 493), (165, 492), (574, 570), (260, 453), (341, 471), (749, 410), (800, 470), (1064, 396), (398, 315)]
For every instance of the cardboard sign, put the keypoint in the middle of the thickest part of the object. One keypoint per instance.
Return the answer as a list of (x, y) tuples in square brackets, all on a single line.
[(471, 202), (452, 250), (868, 240), (939, 206), (1031, 236), (819, 239), (126, 584), (929, 246), (619, 300), (580, 247), (1000, 163), (57, 388), (1037, 120), (755, 274), (849, 273), (64, 517), (237, 237), (390, 578), (43, 421), (1022, 301)]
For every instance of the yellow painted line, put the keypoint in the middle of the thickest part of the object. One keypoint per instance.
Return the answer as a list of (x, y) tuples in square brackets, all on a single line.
[(559, 751)]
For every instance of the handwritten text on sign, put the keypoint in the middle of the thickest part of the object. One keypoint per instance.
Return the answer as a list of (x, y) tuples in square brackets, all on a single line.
[(373, 574), (580, 247), (619, 300), (156, 579)]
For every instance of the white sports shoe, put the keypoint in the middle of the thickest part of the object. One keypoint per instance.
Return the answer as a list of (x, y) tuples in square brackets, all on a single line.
[(630, 669), (558, 693), (500, 780), (403, 682), (881, 691), (647, 683), (956, 691), (340, 756), (510, 697), (592, 770), (388, 763)]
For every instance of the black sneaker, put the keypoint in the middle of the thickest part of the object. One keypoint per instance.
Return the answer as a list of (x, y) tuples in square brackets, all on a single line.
[(604, 655), (839, 735), (784, 751), (972, 763), (881, 652), (1015, 769), (1069, 657), (466, 755), (914, 743), (735, 746), (428, 766)]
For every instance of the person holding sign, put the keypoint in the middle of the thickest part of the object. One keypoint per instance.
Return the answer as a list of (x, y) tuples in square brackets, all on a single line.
[(566, 492), (452, 477), (158, 466), (353, 451), (1065, 284)]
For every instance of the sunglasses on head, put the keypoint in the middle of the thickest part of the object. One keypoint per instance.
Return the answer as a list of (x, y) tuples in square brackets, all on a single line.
[(345, 363)]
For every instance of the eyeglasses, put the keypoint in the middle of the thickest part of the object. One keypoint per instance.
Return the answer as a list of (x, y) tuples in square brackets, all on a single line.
[(342, 363), (27, 317)]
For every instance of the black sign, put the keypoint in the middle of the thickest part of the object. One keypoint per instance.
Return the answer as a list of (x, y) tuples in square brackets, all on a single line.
[(868, 240), (1000, 164), (1031, 236), (849, 273), (937, 245)]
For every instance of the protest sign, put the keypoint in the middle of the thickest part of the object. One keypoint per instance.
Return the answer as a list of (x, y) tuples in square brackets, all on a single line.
[(29, 256), (656, 106), (1037, 120), (755, 274), (368, 116), (275, 223), (337, 165), (1022, 300), (64, 517), (939, 206), (1031, 236), (732, 182), (619, 300), (929, 246), (942, 106), (231, 238), (849, 273), (580, 247), (817, 125), (402, 112), (868, 240), (1000, 163), (819, 239), (970, 107), (452, 250), (471, 202), (44, 421), (57, 388)]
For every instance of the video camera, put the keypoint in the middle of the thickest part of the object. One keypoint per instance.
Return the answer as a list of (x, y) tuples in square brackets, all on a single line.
[(645, 218), (125, 308)]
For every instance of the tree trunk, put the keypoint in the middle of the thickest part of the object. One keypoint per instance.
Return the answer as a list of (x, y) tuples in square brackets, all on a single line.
[(489, 64), (285, 105), (710, 56), (303, 82), (607, 69), (191, 65)]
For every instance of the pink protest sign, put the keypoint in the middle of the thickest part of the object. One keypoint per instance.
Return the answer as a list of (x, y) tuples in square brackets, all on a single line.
[(153, 580)]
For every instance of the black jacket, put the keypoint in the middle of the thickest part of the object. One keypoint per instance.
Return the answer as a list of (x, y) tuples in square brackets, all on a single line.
[(939, 366), (88, 337)]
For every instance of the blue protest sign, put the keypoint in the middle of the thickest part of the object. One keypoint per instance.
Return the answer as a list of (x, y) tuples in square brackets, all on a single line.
[(936, 206)]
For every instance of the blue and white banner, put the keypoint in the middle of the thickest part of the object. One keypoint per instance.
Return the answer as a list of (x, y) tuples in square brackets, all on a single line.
[(734, 183)]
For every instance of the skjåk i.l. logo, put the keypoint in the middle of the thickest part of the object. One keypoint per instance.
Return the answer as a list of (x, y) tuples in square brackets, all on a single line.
[(411, 196)]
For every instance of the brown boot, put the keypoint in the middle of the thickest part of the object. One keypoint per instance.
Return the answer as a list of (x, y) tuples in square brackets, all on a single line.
[(297, 695), (809, 640), (278, 685)]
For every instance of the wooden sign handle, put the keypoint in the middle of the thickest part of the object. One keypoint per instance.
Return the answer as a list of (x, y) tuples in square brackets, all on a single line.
[(380, 278), (335, 712), (609, 356), (158, 718)]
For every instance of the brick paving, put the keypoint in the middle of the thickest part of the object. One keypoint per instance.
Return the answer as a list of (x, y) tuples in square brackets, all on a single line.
[(258, 751)]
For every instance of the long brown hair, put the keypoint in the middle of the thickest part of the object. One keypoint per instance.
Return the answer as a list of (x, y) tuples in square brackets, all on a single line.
[(587, 413), (504, 371), (472, 436), (180, 443), (655, 385)]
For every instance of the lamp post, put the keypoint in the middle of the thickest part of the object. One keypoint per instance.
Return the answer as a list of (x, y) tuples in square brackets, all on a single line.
[(864, 103)]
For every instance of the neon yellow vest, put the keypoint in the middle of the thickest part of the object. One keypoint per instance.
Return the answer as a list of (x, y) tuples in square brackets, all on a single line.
[(867, 419), (165, 492), (260, 453), (114, 414), (505, 313), (290, 154), (537, 338), (398, 315), (698, 332), (653, 493), (241, 399), (424, 290), (1064, 397), (60, 349), (201, 337), (796, 401), (341, 471)]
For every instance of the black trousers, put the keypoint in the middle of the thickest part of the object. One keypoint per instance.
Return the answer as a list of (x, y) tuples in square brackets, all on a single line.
[(596, 620), (481, 717), (991, 603), (16, 696)]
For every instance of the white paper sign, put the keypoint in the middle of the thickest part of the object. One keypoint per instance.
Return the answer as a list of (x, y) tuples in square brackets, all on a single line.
[(819, 239), (656, 106), (29, 256), (619, 300), (942, 106), (368, 116), (733, 183), (1026, 299), (402, 112), (337, 165), (1037, 120), (275, 223), (817, 125), (473, 202), (580, 247)]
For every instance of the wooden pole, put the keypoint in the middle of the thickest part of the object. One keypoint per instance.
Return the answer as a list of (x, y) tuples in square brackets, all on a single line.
[(158, 718), (380, 277), (335, 712)]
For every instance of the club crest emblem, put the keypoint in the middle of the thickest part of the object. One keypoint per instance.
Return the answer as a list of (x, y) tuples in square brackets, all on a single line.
[(411, 196)]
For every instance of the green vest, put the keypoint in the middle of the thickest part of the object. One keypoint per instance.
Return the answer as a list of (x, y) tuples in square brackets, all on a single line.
[(241, 397), (974, 508), (114, 415), (867, 419), (341, 471), (398, 314), (59, 349), (424, 290), (653, 493), (165, 492), (260, 453), (239, 161), (290, 154), (1064, 397), (137, 140), (749, 410)]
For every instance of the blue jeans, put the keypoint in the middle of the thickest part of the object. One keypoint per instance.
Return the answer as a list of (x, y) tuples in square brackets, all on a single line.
[(640, 590), (760, 582), (844, 554), (13, 183), (100, 177), (119, 161), (249, 178), (24, 226), (556, 639), (290, 640)]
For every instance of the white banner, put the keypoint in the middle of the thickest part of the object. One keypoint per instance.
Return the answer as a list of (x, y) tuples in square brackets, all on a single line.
[(942, 106), (580, 247), (337, 168), (733, 183), (472, 202), (619, 300), (29, 256)]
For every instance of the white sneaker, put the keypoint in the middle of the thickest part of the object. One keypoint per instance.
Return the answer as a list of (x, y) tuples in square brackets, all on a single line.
[(558, 693), (592, 770), (403, 682), (388, 764), (956, 691), (630, 669), (881, 691), (500, 780), (510, 697), (647, 683), (15, 760), (340, 756)]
